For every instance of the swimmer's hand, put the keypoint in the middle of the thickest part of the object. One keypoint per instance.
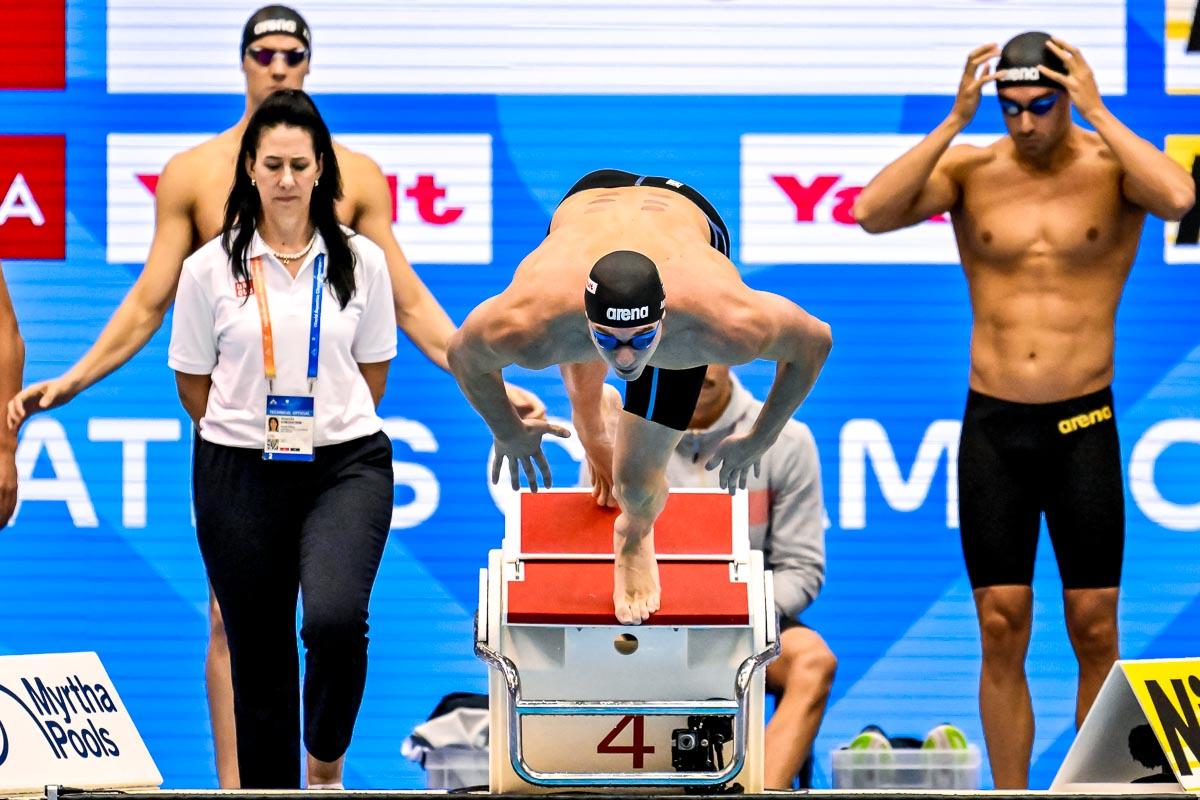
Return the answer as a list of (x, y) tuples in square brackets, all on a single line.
[(525, 447), (527, 404), (1080, 81), (736, 456), (41, 396), (971, 86)]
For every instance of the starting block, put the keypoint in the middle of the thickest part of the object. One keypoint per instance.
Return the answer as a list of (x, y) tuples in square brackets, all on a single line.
[(576, 698)]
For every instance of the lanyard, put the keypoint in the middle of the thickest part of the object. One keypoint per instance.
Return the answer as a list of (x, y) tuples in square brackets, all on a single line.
[(264, 317)]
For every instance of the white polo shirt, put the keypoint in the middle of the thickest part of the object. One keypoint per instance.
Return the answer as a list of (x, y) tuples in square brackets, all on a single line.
[(217, 331)]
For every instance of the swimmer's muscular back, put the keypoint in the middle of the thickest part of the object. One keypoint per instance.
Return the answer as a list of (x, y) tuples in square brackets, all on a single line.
[(712, 316), (1046, 255), (653, 221)]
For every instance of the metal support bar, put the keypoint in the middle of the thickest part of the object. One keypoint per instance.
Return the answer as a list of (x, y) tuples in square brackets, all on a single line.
[(517, 708)]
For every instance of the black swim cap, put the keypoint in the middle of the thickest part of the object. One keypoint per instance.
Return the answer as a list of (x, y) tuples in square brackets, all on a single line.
[(624, 291), (269, 20), (1021, 58)]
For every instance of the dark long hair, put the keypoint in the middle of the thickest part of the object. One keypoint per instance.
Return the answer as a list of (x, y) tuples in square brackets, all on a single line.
[(294, 108)]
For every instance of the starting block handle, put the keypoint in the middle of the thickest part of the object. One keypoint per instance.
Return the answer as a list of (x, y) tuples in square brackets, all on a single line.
[(649, 708), (518, 708)]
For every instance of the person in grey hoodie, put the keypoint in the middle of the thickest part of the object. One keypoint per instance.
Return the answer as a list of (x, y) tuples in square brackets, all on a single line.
[(787, 522)]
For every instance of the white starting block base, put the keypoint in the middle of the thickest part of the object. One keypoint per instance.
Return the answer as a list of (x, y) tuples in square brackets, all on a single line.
[(579, 700)]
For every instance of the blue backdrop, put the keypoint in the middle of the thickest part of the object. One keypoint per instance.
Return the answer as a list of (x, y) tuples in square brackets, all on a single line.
[(87, 565)]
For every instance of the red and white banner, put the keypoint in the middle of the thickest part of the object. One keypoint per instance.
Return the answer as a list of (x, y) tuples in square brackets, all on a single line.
[(441, 192), (33, 39), (798, 192), (33, 196)]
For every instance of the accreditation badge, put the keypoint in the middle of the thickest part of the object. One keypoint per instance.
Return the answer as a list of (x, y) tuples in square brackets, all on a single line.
[(290, 428)]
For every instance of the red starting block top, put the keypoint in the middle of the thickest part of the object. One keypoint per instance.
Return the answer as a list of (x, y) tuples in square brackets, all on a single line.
[(571, 522), (580, 593)]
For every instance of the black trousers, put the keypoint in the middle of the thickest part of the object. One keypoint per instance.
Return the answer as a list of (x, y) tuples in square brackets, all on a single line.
[(268, 530)]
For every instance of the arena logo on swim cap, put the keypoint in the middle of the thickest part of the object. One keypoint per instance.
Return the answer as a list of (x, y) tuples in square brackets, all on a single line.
[(628, 314), (1022, 74), (275, 26)]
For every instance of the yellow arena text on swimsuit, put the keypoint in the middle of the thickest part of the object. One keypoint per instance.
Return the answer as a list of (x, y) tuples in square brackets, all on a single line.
[(1072, 424)]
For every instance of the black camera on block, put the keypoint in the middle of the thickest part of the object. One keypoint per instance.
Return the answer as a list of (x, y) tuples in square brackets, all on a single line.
[(698, 747)]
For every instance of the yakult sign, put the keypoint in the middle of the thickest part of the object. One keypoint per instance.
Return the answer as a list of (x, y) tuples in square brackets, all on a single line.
[(798, 192), (440, 187)]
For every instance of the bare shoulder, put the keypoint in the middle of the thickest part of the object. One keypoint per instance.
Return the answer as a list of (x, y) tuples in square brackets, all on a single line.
[(733, 323), (960, 159), (192, 171), (782, 325), (354, 165), (512, 330), (364, 187), (184, 172)]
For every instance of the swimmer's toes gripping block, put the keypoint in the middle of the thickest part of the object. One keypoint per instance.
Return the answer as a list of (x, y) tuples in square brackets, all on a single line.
[(547, 627)]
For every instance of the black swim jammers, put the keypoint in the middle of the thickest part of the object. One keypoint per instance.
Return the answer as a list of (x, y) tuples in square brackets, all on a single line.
[(1017, 461)]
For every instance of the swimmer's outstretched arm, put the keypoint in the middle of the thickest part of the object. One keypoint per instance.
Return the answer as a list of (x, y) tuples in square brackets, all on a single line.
[(477, 353), (920, 183), (799, 343), (140, 314), (12, 363), (1152, 180), (418, 313)]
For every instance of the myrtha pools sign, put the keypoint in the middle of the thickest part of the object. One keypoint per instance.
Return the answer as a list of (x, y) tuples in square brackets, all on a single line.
[(62, 722)]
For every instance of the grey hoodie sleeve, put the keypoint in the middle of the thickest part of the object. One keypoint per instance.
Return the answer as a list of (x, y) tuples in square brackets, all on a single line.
[(795, 542)]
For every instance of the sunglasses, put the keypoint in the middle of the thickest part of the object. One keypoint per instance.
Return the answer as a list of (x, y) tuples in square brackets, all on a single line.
[(639, 342), (1039, 107), (265, 55)]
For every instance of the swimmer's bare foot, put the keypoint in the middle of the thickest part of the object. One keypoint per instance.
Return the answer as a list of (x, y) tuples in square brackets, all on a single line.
[(636, 590)]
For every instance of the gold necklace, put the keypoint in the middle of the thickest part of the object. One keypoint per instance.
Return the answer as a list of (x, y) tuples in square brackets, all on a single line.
[(286, 257)]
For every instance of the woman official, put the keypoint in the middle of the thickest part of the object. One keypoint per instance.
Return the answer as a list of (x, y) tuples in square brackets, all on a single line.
[(287, 317)]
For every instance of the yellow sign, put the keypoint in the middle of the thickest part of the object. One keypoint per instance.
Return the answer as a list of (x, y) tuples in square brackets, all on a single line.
[(1184, 148), (1169, 694), (1182, 244), (1182, 46)]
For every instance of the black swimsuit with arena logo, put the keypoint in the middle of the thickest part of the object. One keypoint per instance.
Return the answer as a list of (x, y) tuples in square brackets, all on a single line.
[(1017, 461)]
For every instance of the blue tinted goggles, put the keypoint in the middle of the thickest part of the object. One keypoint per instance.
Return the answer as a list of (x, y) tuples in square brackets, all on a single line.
[(639, 342), (1039, 107)]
